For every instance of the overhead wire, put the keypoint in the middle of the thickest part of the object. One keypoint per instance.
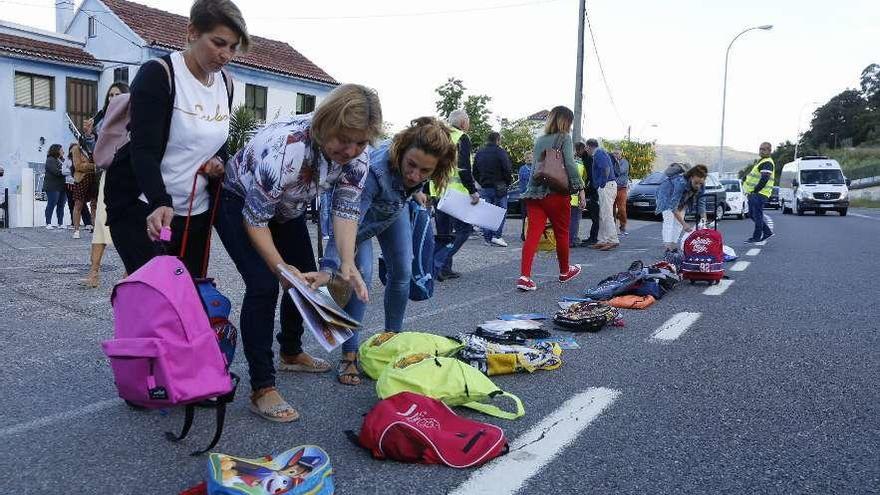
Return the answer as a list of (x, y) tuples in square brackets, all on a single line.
[(602, 71)]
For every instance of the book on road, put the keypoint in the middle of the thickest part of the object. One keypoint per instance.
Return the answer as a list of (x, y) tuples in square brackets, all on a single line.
[(328, 322)]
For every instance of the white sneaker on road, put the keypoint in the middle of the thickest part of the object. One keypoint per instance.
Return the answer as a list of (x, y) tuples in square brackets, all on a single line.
[(76, 234), (499, 241), (50, 227)]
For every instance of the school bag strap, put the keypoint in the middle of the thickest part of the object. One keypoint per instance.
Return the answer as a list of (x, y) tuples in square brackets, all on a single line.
[(493, 410)]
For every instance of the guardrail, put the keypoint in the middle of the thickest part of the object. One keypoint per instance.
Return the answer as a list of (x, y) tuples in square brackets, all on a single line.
[(866, 182)]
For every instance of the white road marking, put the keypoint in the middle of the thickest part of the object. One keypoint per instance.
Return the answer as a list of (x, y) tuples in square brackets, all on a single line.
[(14, 267), (537, 447), (740, 266), (864, 216), (62, 416), (753, 252), (675, 326), (761, 243), (717, 290)]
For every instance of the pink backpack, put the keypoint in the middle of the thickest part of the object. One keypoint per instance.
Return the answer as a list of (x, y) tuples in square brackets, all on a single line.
[(165, 352)]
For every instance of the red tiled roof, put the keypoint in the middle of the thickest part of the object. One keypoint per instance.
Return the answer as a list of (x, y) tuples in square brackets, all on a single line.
[(166, 30), (542, 115), (18, 45)]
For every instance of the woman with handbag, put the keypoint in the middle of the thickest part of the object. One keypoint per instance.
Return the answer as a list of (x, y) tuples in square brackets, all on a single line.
[(85, 187), (399, 169), (554, 178)]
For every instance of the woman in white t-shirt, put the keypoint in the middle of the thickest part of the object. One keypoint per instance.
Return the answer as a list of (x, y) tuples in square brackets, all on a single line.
[(179, 127)]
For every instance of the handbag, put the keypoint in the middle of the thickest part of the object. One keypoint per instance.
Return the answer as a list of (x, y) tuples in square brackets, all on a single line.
[(550, 170)]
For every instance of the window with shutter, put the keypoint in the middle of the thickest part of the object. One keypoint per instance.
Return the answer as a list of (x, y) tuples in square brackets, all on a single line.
[(304, 103), (255, 99), (34, 91)]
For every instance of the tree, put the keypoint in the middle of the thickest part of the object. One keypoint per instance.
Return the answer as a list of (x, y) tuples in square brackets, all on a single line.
[(243, 123), (450, 94), (478, 112), (518, 138), (639, 155), (870, 83), (838, 120)]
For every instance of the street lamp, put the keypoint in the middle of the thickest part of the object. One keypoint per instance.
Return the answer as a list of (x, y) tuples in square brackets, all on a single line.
[(765, 27), (797, 140)]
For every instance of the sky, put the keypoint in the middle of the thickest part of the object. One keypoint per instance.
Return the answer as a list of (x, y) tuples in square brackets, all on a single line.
[(663, 61)]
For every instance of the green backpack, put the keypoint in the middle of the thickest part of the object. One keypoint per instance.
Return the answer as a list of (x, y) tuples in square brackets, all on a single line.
[(380, 349), (446, 379)]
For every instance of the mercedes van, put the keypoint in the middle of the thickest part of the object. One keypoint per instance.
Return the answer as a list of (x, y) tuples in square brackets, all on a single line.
[(813, 183)]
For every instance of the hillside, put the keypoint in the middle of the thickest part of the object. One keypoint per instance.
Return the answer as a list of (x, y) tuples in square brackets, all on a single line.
[(707, 155)]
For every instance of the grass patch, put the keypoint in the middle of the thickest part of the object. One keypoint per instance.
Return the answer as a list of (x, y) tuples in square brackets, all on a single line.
[(865, 203)]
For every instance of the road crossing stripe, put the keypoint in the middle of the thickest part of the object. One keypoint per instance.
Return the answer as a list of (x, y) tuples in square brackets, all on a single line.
[(720, 288), (675, 326), (537, 447), (87, 410), (753, 252), (761, 243), (740, 266)]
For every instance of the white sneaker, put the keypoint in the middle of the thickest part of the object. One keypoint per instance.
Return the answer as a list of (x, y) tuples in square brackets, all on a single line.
[(50, 227), (76, 234), (499, 241), (90, 228)]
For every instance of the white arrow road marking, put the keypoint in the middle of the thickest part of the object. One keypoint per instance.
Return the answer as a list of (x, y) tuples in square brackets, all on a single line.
[(537, 447), (675, 326), (753, 252), (740, 266), (717, 290)]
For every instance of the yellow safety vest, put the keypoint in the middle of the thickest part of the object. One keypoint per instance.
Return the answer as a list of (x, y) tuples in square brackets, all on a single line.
[(755, 176), (582, 173), (454, 181)]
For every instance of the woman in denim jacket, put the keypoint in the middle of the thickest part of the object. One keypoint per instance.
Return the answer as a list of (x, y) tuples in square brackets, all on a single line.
[(398, 170), (673, 197)]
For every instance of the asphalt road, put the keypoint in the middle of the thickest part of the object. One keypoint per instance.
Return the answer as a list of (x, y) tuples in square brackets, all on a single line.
[(775, 388)]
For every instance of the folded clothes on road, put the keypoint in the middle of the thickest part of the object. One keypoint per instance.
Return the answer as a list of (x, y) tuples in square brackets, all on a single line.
[(632, 302), (499, 359)]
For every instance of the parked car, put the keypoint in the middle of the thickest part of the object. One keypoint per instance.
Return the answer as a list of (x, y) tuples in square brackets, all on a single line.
[(736, 200), (773, 202), (514, 204), (715, 197), (642, 196)]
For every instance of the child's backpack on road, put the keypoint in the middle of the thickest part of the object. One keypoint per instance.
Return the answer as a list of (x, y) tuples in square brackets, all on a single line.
[(376, 352), (301, 470), (703, 256), (618, 284), (164, 352), (410, 427), (586, 316)]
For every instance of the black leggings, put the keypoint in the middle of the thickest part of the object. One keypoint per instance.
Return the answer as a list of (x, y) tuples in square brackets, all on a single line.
[(136, 249)]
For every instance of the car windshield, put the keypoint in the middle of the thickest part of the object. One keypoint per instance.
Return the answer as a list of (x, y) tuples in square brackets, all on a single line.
[(653, 179), (833, 176), (731, 186)]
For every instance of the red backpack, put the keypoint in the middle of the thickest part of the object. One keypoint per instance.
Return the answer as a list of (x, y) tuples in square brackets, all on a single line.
[(703, 256), (409, 427)]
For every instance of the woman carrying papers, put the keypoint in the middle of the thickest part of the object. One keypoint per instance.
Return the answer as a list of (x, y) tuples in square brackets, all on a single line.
[(268, 186), (399, 169)]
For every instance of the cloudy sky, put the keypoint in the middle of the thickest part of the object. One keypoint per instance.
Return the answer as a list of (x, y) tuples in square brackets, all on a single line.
[(664, 61)]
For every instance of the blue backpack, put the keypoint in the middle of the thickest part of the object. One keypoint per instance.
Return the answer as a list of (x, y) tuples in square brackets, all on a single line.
[(421, 285), (218, 308)]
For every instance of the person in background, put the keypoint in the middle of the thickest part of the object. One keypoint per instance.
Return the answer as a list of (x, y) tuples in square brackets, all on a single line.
[(576, 208), (674, 195), (399, 169), (493, 171), (101, 233), (604, 181), (160, 178), (622, 189), (525, 173), (85, 188), (759, 185), (269, 185), (591, 193), (544, 203), (53, 186), (452, 233)]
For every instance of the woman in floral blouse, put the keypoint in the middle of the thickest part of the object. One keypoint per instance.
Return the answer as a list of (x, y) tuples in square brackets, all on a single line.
[(268, 187)]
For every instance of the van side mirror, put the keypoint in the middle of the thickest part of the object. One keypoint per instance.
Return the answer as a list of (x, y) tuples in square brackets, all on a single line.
[(848, 182), (794, 183)]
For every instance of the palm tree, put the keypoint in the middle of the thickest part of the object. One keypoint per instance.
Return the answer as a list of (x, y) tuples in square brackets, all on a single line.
[(243, 124)]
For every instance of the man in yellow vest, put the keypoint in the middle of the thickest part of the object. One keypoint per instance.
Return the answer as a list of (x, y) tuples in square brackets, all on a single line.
[(452, 233), (759, 185)]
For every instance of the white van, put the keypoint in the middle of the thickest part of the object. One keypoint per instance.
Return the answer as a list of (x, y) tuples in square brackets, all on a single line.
[(813, 183), (736, 200)]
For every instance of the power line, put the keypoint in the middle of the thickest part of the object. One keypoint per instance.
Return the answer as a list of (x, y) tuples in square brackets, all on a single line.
[(602, 71), (410, 14)]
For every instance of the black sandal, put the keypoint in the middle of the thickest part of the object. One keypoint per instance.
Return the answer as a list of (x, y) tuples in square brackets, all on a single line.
[(342, 371)]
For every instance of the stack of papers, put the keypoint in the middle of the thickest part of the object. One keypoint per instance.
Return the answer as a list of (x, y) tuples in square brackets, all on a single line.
[(482, 214), (325, 319)]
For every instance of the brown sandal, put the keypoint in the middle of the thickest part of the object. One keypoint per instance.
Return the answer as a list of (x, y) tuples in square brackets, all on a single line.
[(280, 412), (346, 377)]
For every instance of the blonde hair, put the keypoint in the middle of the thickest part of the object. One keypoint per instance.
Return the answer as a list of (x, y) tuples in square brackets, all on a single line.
[(205, 15), (559, 120), (349, 107), (432, 137)]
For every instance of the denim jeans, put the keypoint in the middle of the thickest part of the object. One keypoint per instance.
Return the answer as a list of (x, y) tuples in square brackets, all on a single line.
[(324, 213), (574, 226), (257, 322), (756, 211), (490, 194), (397, 252), (452, 233), (55, 201)]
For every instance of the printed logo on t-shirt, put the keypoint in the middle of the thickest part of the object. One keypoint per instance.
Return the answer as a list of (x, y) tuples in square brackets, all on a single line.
[(199, 113)]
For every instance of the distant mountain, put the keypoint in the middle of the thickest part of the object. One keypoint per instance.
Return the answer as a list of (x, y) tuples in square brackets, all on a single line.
[(707, 155)]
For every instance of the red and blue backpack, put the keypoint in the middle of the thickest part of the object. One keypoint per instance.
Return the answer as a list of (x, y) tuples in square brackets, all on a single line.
[(703, 256)]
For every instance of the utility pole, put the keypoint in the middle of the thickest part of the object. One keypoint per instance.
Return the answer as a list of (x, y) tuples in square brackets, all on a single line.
[(579, 78)]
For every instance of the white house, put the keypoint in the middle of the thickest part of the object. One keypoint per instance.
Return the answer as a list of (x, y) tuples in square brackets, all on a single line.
[(45, 75)]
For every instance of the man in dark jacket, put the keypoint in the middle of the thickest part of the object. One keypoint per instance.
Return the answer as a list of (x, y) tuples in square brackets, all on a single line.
[(592, 195), (493, 172)]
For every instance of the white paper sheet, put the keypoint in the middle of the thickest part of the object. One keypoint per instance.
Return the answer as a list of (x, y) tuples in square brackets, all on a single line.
[(482, 214)]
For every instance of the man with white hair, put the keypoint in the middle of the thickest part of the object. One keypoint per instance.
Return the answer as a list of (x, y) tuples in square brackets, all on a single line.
[(452, 233)]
